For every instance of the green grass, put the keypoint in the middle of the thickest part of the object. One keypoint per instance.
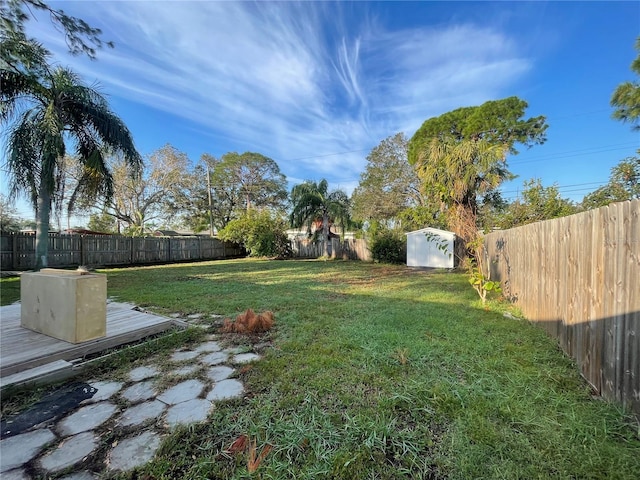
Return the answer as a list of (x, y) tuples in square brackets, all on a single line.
[(382, 372)]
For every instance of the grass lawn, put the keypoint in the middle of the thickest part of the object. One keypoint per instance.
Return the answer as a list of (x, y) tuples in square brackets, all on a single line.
[(382, 372)]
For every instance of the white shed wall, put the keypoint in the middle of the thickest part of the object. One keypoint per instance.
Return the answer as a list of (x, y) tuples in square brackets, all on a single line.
[(424, 253)]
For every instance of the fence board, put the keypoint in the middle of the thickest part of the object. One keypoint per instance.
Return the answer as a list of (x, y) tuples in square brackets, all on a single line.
[(577, 277)]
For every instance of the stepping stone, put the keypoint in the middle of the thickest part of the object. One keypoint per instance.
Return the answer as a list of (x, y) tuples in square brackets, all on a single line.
[(71, 451), (175, 315), (246, 358), (142, 373), (192, 411), (184, 355), (80, 476), (87, 418), (139, 392), (141, 413), (215, 358), (194, 316), (105, 391), (182, 392), (208, 347), (18, 450), (133, 452), (219, 373), (226, 389), (187, 370), (18, 474)]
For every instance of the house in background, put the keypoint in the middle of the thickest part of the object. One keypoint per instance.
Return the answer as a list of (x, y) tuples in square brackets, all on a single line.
[(430, 247)]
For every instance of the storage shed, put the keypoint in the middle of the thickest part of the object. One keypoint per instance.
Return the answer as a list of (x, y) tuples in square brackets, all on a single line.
[(430, 247)]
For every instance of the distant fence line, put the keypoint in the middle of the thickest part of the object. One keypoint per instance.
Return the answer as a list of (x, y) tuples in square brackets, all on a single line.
[(579, 278), (17, 250), (347, 249)]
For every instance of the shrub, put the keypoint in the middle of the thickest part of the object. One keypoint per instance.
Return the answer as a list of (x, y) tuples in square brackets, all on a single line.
[(261, 233), (389, 247)]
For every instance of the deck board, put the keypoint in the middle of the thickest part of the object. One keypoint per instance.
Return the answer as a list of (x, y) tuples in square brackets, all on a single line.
[(22, 349)]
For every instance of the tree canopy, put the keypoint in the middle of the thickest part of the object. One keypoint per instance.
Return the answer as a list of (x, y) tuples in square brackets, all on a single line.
[(239, 182), (461, 155), (81, 37), (389, 184), (498, 122), (537, 203), (626, 98), (623, 184), (156, 193)]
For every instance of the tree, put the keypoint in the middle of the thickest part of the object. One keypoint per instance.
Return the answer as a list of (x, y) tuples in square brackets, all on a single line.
[(626, 98), (80, 36), (461, 155), (312, 201), (389, 183), (538, 203), (262, 233), (9, 221), (103, 223), (239, 183), (155, 193), (624, 184), (47, 111)]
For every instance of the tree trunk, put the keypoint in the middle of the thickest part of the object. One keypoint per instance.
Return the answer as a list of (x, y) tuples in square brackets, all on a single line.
[(325, 235), (43, 213)]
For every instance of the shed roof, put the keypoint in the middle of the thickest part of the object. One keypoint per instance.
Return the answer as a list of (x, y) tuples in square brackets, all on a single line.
[(433, 230)]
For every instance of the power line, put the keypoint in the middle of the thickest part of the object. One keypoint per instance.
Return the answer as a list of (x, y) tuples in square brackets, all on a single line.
[(577, 153), (561, 187)]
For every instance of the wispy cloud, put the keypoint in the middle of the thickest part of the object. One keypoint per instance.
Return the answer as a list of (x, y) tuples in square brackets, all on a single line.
[(291, 80)]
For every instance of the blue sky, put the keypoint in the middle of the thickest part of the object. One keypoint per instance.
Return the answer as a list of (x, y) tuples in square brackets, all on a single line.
[(316, 85)]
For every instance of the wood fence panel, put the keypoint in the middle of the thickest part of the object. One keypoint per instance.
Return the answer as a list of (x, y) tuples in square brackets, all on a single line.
[(17, 250), (631, 357), (184, 248), (7, 251), (347, 249), (578, 277)]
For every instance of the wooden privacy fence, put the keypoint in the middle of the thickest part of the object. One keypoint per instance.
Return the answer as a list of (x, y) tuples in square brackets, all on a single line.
[(347, 249), (17, 250), (579, 278)]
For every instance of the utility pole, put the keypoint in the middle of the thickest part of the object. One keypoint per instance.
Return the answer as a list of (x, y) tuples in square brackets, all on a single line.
[(209, 195)]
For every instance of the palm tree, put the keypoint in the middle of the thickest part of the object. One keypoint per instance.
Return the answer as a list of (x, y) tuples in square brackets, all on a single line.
[(49, 110), (312, 201), (456, 173)]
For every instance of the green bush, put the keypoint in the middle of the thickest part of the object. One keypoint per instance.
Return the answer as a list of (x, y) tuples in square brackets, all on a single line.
[(261, 233), (389, 247)]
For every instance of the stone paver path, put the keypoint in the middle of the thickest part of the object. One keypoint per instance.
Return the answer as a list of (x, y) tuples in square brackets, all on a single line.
[(149, 402)]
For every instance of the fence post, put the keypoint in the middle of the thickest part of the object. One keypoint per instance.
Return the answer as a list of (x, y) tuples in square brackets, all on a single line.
[(14, 250), (83, 256)]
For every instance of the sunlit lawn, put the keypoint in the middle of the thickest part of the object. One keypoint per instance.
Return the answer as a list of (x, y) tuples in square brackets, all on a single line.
[(382, 372)]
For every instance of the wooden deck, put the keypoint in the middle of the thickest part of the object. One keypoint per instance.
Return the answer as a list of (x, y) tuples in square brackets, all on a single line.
[(24, 350)]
